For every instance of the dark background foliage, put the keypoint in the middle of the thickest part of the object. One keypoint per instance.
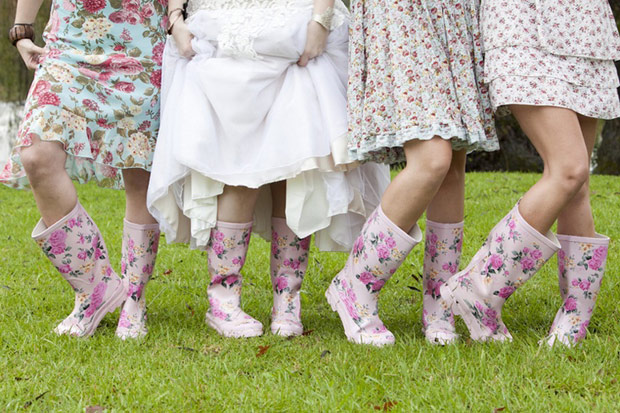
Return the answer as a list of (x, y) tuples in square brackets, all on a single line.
[(517, 153)]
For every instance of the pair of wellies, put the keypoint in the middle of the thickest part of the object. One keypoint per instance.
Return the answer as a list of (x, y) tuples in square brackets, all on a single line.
[(76, 247)]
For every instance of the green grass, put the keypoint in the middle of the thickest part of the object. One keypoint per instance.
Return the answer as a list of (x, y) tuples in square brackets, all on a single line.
[(182, 365)]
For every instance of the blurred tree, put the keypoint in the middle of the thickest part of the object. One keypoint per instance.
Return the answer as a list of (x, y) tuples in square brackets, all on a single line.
[(14, 77), (608, 153)]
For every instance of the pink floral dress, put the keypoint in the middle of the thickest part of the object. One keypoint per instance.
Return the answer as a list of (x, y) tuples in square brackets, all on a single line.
[(416, 72), (552, 53), (97, 89)]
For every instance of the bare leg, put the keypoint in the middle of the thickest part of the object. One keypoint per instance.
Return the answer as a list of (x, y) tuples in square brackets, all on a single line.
[(576, 217), (448, 204), (278, 199), (236, 204), (54, 193), (410, 193), (136, 185), (556, 135)]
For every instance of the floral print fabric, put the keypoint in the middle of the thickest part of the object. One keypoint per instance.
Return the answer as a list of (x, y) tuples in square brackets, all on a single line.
[(513, 253), (537, 54), (415, 73), (226, 252), (580, 28), (140, 244), (581, 265), (289, 261), (97, 89), (442, 255), (376, 255), (76, 248)]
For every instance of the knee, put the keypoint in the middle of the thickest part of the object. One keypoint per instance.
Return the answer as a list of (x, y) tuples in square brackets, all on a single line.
[(435, 167), (40, 162), (572, 174)]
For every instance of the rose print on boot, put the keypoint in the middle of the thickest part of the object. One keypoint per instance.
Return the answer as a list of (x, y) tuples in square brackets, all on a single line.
[(289, 261), (226, 252), (581, 266), (442, 255), (353, 293), (514, 252), (76, 248), (140, 244)]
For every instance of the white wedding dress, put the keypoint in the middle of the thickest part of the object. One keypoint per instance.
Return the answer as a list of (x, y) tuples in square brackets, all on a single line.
[(242, 112)]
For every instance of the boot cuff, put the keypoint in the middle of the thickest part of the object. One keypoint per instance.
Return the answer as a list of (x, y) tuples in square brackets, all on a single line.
[(549, 240), (442, 225), (140, 227), (413, 237), (42, 231), (598, 239)]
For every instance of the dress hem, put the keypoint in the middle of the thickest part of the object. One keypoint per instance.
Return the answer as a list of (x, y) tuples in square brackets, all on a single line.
[(461, 139)]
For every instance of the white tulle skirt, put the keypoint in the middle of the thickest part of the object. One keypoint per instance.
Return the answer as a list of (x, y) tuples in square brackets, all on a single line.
[(243, 113)]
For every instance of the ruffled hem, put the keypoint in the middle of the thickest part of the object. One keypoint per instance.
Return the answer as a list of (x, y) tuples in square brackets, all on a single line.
[(387, 147), (335, 161), (331, 205), (534, 62), (75, 134), (599, 103)]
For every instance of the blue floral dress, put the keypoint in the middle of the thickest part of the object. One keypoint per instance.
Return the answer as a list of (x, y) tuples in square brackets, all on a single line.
[(97, 90)]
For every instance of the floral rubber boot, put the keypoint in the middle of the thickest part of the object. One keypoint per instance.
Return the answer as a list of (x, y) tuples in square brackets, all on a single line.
[(226, 252), (289, 261), (140, 243), (376, 255), (514, 253), (76, 248), (442, 255), (581, 265)]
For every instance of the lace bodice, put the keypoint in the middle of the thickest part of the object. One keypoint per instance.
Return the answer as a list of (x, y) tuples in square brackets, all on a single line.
[(242, 21)]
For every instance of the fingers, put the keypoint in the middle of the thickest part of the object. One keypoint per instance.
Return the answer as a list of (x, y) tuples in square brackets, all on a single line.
[(303, 60), (188, 51), (307, 56), (32, 63)]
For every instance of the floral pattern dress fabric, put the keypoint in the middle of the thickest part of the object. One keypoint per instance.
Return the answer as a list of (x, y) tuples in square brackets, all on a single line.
[(96, 91), (552, 53), (415, 73)]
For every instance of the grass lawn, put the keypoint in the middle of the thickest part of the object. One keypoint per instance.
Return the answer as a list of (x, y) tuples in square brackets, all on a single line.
[(183, 365)]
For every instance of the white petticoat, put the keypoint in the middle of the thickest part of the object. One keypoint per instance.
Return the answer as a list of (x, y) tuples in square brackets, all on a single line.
[(242, 113)]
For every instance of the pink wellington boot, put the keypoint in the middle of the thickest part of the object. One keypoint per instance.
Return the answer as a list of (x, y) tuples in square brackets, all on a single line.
[(289, 261), (140, 243), (75, 246), (581, 265), (442, 255), (377, 253), (514, 253), (226, 252)]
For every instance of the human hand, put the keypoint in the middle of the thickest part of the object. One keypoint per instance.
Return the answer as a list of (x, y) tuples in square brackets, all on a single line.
[(30, 53), (315, 43), (183, 39)]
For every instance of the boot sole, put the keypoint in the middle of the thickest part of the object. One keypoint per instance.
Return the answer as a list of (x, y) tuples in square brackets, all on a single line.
[(247, 333), (285, 332), (440, 337), (336, 305)]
